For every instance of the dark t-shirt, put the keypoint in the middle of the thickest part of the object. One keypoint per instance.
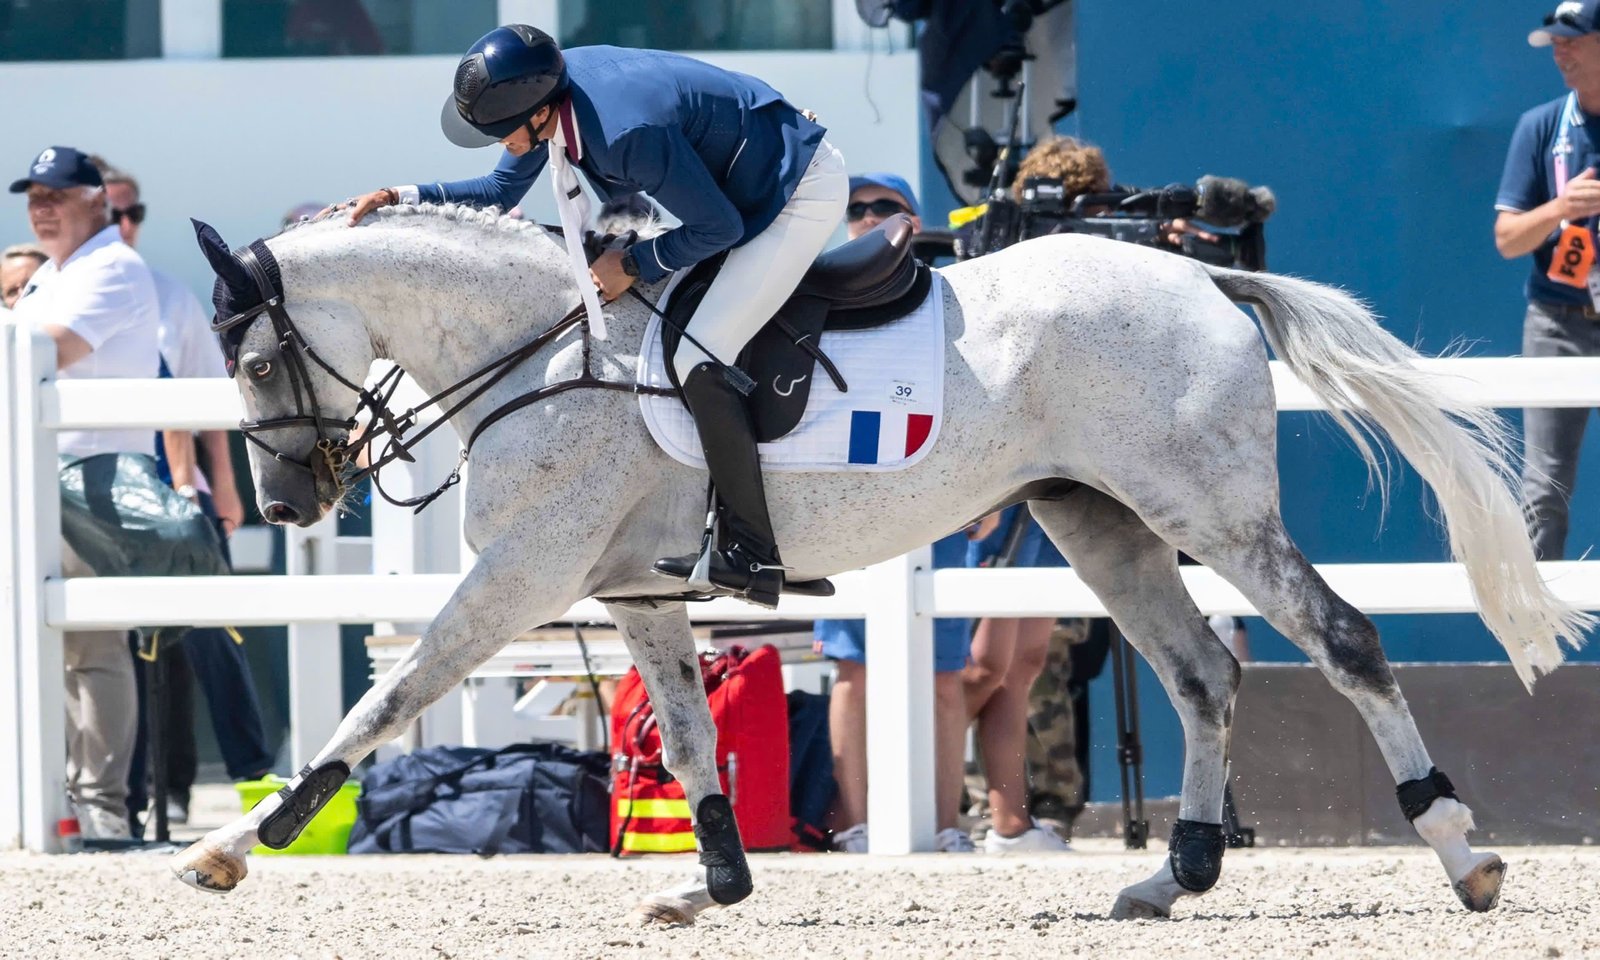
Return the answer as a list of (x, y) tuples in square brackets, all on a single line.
[(1529, 180)]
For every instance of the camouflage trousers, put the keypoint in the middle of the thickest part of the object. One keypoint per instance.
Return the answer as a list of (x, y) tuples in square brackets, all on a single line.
[(1056, 782)]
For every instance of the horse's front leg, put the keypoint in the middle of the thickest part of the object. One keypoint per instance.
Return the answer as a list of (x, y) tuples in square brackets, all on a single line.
[(494, 602), (659, 638)]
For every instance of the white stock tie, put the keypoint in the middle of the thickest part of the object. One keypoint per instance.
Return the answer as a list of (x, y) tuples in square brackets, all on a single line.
[(573, 206)]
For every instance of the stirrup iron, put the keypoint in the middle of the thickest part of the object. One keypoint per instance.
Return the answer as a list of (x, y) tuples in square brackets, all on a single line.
[(700, 576)]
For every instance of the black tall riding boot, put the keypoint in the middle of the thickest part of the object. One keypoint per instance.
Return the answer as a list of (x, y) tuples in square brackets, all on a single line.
[(749, 565)]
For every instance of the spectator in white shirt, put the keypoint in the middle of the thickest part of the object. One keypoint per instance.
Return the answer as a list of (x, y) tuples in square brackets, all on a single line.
[(95, 298)]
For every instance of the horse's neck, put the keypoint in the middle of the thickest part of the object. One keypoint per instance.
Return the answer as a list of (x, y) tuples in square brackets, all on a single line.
[(442, 330)]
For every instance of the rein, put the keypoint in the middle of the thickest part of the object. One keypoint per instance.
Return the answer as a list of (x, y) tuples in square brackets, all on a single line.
[(337, 453)]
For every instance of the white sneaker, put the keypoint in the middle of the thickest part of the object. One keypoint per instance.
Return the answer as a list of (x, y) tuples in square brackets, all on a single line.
[(98, 823), (853, 840), (1036, 839), (177, 811), (954, 840)]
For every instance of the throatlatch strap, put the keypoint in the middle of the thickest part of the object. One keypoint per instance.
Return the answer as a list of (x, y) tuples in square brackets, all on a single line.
[(1416, 796)]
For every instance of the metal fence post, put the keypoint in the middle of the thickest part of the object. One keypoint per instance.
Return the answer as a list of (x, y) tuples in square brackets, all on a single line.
[(41, 667), (900, 715)]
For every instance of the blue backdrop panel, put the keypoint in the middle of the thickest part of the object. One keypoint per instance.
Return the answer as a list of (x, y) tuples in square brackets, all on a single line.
[(1383, 128)]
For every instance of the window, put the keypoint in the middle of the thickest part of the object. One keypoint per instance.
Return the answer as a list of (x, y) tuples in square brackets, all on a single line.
[(699, 24), (79, 29), (340, 28)]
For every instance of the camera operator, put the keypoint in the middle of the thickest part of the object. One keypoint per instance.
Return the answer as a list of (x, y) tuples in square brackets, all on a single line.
[(1081, 169), (1063, 186)]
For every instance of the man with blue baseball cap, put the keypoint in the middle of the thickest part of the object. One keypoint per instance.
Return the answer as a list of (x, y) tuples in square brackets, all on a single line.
[(96, 299), (874, 198), (1548, 201), (59, 168), (1571, 19)]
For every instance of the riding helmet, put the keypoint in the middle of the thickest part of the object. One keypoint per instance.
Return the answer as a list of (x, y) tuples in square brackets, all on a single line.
[(503, 81)]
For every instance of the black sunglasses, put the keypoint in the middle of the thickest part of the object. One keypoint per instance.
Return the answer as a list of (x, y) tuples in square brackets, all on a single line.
[(1568, 19), (879, 208), (134, 213)]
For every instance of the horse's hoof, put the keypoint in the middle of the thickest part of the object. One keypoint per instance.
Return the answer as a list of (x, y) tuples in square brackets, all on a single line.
[(663, 910), (208, 868), (1132, 908), (1479, 890)]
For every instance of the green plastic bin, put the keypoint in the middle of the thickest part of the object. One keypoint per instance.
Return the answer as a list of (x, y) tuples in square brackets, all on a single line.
[(327, 833)]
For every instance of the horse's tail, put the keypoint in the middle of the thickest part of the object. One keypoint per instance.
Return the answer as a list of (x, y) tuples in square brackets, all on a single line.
[(1366, 377)]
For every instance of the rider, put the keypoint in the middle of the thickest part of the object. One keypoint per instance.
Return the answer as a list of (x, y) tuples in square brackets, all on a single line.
[(742, 170)]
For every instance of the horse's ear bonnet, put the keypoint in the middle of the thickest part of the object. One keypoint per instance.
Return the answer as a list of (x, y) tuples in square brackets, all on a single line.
[(234, 291)]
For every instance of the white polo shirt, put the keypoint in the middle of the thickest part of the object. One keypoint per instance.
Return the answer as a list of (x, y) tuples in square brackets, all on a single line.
[(103, 293), (187, 343)]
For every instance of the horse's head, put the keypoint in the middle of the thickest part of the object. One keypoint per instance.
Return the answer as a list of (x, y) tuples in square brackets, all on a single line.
[(300, 373)]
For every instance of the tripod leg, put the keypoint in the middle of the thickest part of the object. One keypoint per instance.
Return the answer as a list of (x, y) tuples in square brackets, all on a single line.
[(156, 734), (1130, 752), (1139, 825), (1119, 692), (1235, 835)]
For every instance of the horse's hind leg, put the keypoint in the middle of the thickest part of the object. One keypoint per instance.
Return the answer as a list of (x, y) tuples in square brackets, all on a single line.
[(1257, 556), (492, 603), (659, 638), (1135, 574)]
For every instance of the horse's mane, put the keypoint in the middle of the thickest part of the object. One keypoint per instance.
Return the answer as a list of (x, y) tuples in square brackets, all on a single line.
[(489, 219)]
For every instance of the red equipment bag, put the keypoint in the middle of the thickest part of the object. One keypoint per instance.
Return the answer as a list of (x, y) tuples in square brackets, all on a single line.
[(649, 813)]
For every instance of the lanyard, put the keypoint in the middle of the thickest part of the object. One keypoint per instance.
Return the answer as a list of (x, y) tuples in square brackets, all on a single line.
[(1563, 150)]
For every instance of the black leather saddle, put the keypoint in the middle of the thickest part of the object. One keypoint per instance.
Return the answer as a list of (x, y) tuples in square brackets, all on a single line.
[(868, 282)]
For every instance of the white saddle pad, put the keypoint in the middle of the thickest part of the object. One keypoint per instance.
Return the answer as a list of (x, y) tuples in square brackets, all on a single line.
[(888, 420)]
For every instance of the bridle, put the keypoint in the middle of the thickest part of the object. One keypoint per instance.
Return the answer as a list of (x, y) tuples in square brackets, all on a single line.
[(334, 453)]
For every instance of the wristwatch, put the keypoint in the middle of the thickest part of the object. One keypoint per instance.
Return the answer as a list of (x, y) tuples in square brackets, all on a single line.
[(630, 264), (187, 491)]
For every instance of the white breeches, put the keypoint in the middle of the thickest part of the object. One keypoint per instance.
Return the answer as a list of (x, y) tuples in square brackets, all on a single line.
[(758, 277)]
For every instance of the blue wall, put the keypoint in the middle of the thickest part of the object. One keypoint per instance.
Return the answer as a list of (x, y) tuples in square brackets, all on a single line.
[(1383, 128)]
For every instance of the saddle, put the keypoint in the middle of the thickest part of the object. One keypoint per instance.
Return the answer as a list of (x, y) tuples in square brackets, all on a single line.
[(870, 281)]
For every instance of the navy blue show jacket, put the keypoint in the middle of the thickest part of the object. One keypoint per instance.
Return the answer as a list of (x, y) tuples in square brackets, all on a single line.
[(721, 150)]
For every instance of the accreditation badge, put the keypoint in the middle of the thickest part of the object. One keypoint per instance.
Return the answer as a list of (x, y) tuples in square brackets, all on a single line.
[(1573, 258)]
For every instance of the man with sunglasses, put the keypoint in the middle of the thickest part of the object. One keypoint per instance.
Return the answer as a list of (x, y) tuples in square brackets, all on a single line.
[(190, 350), (874, 198), (746, 173), (1548, 200), (96, 300)]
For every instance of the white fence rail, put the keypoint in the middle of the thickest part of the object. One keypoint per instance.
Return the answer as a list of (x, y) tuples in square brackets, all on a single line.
[(416, 563)]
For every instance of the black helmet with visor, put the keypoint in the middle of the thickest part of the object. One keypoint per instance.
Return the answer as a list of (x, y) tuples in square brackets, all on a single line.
[(504, 79)]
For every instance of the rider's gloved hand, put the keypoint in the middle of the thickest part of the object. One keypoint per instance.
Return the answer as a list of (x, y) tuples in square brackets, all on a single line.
[(364, 204)]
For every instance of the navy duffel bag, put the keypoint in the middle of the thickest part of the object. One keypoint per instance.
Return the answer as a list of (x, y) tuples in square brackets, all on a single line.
[(525, 798)]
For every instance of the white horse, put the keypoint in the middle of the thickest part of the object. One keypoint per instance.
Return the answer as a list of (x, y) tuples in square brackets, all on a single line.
[(1116, 389)]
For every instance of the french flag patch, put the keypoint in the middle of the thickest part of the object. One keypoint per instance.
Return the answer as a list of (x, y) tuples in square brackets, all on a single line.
[(877, 437)]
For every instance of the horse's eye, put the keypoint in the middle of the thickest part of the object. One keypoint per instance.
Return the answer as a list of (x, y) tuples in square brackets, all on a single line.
[(260, 369)]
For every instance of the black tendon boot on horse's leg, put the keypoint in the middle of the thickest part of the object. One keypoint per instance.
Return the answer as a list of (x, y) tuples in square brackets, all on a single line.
[(721, 851), (301, 799), (749, 565)]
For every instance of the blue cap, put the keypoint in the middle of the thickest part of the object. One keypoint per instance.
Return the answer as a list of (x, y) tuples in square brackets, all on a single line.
[(59, 168), (896, 183), (1572, 18)]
